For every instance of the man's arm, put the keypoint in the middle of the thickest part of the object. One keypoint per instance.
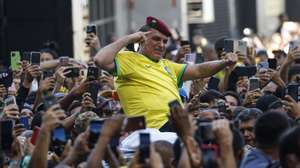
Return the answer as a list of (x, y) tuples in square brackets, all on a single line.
[(105, 57), (208, 69)]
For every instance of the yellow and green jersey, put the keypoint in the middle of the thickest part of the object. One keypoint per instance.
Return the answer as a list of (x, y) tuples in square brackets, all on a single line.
[(146, 87)]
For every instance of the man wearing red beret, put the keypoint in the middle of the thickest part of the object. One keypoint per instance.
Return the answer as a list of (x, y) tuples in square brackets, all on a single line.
[(146, 82)]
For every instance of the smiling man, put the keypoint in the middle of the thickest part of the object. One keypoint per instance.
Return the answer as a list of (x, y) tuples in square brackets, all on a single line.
[(146, 82)]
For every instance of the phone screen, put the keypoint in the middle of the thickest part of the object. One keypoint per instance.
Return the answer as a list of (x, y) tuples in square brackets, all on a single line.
[(93, 73), (6, 77), (7, 132), (272, 63), (35, 58), (144, 147), (26, 56), (15, 59), (95, 131), (59, 134), (25, 121), (253, 83), (94, 90)]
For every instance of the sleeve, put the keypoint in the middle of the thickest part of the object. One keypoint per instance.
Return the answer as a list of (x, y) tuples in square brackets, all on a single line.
[(124, 63), (179, 70)]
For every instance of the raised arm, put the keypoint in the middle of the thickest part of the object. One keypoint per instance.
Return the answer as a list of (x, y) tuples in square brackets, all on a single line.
[(105, 57), (208, 69)]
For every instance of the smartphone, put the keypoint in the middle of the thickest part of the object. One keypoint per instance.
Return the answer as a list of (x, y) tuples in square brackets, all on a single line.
[(272, 63), (92, 73), (35, 134), (49, 101), (91, 29), (95, 131), (184, 42), (6, 77), (74, 72), (25, 56), (59, 135), (174, 104), (294, 91), (6, 127), (221, 106), (253, 83), (94, 90), (245, 71), (10, 100), (144, 147), (25, 121), (35, 58), (134, 123), (234, 46), (190, 58), (213, 83), (15, 59)]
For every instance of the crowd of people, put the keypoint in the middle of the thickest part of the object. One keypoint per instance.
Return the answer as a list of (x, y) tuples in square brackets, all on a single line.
[(150, 99)]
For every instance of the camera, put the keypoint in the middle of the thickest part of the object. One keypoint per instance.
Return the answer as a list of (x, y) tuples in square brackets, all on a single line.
[(74, 72), (206, 139)]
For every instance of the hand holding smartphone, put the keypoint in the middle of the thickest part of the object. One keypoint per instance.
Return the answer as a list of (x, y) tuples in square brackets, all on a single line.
[(35, 58)]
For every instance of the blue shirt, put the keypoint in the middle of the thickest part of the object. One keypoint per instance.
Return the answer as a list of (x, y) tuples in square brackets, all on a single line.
[(258, 159)]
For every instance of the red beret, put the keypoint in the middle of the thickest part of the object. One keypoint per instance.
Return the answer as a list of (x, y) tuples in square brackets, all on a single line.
[(158, 25)]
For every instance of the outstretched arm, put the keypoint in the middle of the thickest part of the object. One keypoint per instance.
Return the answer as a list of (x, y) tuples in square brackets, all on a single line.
[(208, 69)]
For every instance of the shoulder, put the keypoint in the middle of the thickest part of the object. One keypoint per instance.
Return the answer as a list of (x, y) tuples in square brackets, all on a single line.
[(254, 158), (127, 53)]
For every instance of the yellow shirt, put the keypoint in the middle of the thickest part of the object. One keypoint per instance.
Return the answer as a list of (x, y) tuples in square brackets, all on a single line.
[(146, 87)]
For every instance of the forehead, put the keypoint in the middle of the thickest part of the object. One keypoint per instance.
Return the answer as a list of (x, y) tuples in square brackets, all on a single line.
[(156, 33)]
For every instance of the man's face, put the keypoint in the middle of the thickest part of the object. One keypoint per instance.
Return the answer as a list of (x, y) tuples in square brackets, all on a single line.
[(247, 130), (155, 45), (231, 101)]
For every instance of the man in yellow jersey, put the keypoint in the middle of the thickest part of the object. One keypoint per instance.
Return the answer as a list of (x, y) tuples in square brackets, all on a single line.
[(146, 82)]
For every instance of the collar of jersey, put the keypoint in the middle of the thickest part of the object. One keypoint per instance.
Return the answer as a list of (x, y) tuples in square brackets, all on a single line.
[(154, 61)]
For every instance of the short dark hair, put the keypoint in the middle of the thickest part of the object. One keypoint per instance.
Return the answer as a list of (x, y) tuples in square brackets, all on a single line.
[(268, 102), (219, 45), (269, 127), (233, 94), (289, 144), (210, 95), (249, 114)]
